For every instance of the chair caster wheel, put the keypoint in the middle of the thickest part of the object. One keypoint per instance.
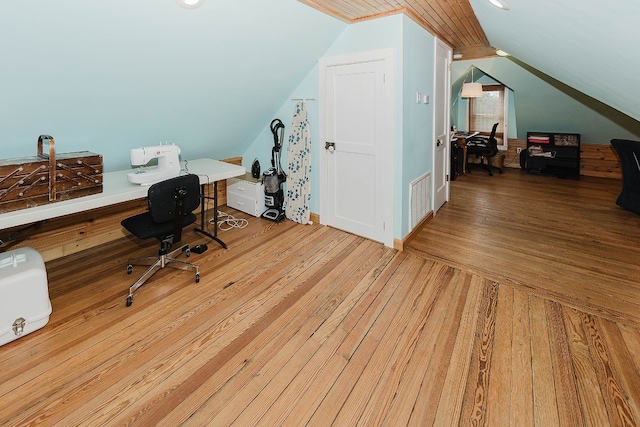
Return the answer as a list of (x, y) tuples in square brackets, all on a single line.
[(129, 269), (187, 252), (129, 300), (197, 277)]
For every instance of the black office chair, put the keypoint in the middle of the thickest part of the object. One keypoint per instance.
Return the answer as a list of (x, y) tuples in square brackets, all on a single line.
[(171, 205), (629, 154), (485, 148)]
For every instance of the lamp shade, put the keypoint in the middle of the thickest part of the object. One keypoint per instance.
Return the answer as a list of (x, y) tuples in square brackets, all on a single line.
[(471, 90)]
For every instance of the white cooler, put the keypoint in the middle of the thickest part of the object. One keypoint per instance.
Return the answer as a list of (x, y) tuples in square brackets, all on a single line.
[(24, 294)]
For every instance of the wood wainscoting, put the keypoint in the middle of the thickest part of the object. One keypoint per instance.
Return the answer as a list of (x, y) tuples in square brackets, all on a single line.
[(598, 160)]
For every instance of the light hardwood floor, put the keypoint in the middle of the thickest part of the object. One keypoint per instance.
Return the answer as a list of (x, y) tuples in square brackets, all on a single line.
[(516, 305)]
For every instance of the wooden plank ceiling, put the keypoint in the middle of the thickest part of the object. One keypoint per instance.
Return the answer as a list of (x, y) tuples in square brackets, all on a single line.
[(452, 21)]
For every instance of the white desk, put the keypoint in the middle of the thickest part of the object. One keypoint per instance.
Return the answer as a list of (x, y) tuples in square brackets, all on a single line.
[(116, 189)]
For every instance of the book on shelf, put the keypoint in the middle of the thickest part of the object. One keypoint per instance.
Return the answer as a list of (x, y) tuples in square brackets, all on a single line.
[(538, 139)]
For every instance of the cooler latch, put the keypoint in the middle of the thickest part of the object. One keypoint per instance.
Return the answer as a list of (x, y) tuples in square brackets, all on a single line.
[(18, 326)]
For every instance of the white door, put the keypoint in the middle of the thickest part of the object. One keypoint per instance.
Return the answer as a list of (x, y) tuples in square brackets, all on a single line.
[(356, 134), (441, 144)]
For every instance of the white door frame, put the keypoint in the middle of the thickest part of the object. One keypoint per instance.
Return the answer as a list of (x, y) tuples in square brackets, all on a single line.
[(388, 56), (447, 112)]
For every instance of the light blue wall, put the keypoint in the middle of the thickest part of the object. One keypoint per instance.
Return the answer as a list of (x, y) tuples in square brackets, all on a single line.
[(110, 75), (413, 127), (418, 130), (544, 104)]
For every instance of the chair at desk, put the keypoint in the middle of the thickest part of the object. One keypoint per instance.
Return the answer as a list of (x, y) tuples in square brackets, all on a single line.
[(171, 204), (485, 148)]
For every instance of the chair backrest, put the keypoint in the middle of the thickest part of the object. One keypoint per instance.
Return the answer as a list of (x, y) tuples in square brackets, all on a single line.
[(493, 133), (166, 197), (491, 141)]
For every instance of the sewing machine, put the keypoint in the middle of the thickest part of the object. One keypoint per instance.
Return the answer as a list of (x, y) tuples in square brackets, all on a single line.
[(168, 164)]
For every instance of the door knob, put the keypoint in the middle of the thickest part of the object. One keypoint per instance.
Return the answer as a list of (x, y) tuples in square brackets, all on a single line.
[(331, 146)]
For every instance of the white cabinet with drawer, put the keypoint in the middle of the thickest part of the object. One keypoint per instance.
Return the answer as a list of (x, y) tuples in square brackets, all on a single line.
[(246, 194)]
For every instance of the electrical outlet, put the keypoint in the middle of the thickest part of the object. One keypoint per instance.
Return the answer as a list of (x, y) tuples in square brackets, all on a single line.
[(518, 150)]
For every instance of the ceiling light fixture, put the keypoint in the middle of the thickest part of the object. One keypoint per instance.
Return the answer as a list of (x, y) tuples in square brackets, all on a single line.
[(501, 52), (190, 4), (471, 90), (500, 4)]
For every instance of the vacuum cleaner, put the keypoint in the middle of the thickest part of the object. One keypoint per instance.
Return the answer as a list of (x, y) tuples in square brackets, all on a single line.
[(274, 177)]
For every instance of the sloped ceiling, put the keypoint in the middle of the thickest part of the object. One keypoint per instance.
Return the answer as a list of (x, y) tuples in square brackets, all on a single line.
[(110, 75), (589, 45)]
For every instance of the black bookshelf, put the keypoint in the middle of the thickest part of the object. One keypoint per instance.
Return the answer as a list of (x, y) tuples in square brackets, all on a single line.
[(553, 153)]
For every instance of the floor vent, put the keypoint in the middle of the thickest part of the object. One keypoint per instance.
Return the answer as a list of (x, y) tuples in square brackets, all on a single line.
[(419, 199)]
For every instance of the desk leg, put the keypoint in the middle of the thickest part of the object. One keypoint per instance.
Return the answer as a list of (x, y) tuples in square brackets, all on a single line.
[(202, 230), (464, 155)]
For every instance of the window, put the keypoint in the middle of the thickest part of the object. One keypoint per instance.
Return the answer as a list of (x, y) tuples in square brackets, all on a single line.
[(487, 110)]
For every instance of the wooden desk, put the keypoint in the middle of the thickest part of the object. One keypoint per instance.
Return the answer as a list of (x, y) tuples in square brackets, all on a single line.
[(116, 189)]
